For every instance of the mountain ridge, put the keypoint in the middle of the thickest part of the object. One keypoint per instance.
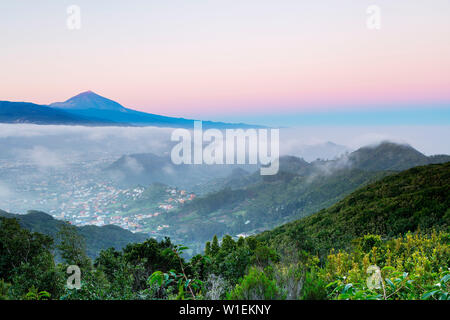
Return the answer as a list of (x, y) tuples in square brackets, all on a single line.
[(411, 200), (89, 108), (27, 112), (385, 156), (97, 238), (88, 100), (298, 190)]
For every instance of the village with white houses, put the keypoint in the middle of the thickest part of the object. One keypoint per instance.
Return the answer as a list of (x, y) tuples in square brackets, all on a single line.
[(83, 199), (111, 205)]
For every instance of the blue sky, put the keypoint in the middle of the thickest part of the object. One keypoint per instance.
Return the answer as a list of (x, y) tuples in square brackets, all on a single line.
[(284, 61)]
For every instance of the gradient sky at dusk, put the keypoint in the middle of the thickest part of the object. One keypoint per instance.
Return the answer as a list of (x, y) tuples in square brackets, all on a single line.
[(243, 59)]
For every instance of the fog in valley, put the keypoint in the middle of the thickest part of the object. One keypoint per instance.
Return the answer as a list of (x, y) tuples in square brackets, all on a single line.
[(92, 175)]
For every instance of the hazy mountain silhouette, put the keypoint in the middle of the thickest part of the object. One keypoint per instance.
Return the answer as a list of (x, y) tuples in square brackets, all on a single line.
[(89, 100), (24, 112), (149, 168), (89, 108), (391, 156)]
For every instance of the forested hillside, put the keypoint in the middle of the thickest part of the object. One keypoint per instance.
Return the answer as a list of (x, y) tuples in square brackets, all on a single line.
[(394, 232), (97, 238), (247, 203), (416, 199)]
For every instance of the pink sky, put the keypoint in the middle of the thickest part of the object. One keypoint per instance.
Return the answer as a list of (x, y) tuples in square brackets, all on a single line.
[(202, 58)]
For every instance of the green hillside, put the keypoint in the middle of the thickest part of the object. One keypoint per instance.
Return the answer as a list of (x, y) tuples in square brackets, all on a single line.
[(97, 238), (263, 205), (388, 156), (398, 225), (415, 199), (245, 203)]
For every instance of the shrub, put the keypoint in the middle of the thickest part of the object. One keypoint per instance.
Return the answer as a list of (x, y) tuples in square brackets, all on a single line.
[(256, 285)]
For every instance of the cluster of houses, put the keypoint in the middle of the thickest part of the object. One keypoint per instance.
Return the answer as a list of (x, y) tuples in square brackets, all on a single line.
[(94, 206)]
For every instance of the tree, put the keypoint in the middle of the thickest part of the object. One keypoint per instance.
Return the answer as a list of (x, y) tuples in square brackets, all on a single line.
[(26, 260), (256, 285), (72, 247), (208, 248), (18, 245), (240, 242), (118, 272), (215, 246), (228, 244), (148, 257)]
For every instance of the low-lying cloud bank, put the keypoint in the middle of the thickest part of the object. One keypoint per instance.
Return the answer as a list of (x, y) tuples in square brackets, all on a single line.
[(54, 146)]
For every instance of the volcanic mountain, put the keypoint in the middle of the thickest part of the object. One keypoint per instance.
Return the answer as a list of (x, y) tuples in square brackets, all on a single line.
[(89, 108)]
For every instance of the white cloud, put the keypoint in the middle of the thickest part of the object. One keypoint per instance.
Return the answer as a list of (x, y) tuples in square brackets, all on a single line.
[(5, 192), (45, 158), (133, 165)]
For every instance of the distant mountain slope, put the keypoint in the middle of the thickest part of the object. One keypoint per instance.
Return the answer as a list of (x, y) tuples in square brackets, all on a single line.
[(418, 198), (438, 158), (89, 108), (389, 156), (325, 151), (97, 238), (237, 179), (24, 112), (261, 205), (248, 202), (89, 104), (386, 156), (147, 168), (89, 100)]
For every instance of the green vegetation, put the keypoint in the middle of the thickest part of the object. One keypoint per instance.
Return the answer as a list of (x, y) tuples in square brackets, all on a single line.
[(389, 240), (411, 267), (245, 203), (416, 199), (262, 205), (26, 262), (97, 238)]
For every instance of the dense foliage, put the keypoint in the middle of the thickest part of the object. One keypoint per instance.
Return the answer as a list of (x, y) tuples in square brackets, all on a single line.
[(416, 199), (246, 203), (389, 240), (97, 238), (263, 205)]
